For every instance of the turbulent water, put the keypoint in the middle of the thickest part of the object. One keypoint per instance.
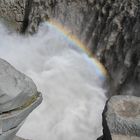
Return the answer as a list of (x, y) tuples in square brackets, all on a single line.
[(71, 84)]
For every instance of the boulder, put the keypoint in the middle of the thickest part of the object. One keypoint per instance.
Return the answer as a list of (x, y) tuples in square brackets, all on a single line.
[(121, 118), (18, 98)]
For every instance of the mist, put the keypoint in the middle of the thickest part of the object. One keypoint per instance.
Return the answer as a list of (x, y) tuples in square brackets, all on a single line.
[(70, 82)]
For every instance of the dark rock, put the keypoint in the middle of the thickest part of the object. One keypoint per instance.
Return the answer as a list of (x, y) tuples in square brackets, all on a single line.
[(100, 138)]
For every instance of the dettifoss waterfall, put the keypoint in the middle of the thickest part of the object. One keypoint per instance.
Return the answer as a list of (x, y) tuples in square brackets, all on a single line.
[(71, 83)]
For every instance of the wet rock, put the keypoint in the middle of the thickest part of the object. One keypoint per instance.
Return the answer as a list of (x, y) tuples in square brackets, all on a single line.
[(121, 118)]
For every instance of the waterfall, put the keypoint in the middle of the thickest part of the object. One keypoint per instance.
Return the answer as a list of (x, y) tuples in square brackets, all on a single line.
[(70, 81)]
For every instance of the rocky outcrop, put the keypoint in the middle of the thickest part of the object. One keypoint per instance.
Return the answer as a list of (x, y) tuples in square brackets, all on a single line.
[(109, 28), (18, 98), (121, 118), (12, 12)]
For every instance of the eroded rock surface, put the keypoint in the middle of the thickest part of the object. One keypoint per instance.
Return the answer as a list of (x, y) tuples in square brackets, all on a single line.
[(121, 118), (123, 137)]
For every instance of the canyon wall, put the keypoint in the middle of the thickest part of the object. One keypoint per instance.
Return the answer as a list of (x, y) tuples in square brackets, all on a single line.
[(111, 30)]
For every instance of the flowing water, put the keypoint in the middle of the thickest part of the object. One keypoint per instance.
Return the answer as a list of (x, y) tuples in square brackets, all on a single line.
[(70, 81)]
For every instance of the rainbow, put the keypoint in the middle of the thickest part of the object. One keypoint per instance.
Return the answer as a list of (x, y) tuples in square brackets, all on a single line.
[(74, 40)]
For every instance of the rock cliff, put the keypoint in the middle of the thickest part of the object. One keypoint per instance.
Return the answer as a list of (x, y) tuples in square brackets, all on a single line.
[(110, 29), (12, 12)]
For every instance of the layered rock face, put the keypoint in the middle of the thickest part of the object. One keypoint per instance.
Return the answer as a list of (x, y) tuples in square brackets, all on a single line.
[(18, 98), (121, 118), (110, 29)]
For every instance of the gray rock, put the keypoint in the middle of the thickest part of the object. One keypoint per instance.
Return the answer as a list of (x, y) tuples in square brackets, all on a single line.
[(15, 88), (9, 135), (121, 118), (12, 12), (18, 98), (124, 137), (14, 118)]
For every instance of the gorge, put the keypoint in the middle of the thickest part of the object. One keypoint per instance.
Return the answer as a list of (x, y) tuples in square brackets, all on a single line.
[(110, 29)]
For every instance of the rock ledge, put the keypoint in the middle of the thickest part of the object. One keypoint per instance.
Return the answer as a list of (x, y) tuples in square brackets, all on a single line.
[(121, 118)]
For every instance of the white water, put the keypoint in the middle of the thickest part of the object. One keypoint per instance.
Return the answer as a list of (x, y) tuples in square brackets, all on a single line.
[(71, 85)]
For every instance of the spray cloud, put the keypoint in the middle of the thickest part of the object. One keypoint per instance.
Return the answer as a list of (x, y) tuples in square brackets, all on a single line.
[(73, 97)]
